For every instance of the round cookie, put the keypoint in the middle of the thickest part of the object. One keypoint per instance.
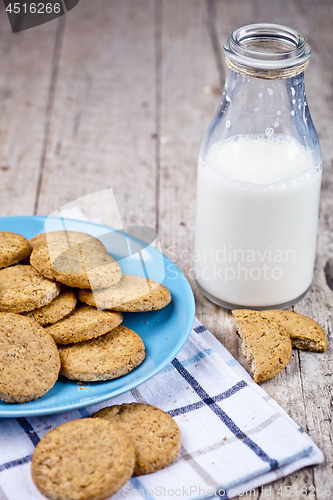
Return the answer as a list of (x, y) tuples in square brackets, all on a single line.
[(154, 434), (130, 294), (29, 359), (104, 358), (83, 265), (86, 459), (22, 289), (82, 324), (60, 307), (71, 237), (13, 248)]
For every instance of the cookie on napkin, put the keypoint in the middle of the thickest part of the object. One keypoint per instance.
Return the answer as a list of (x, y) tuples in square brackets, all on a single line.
[(13, 248), (266, 344), (29, 359), (154, 434), (305, 332), (130, 294), (22, 289), (86, 459), (103, 358), (84, 323)]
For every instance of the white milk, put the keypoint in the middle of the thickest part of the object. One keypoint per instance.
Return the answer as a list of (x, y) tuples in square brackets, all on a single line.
[(256, 224)]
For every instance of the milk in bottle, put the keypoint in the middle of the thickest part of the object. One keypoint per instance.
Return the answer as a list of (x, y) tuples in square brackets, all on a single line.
[(259, 176)]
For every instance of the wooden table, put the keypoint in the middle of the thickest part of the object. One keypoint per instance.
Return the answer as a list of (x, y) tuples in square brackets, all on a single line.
[(118, 94)]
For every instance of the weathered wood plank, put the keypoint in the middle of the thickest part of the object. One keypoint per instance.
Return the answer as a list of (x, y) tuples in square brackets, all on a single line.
[(190, 94), (26, 62), (103, 120)]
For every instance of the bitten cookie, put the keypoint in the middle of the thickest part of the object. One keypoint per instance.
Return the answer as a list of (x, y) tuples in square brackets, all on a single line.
[(22, 289), (83, 323), (60, 307), (13, 248), (87, 459), (266, 344), (305, 332), (107, 357), (154, 434), (29, 359), (131, 294), (83, 265)]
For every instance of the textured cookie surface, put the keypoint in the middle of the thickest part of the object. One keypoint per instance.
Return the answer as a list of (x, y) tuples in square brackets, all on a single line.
[(266, 344), (87, 459), (13, 248), (29, 359), (83, 323), (22, 289), (305, 332), (70, 237), (60, 307), (104, 358), (84, 264), (131, 294), (154, 434)]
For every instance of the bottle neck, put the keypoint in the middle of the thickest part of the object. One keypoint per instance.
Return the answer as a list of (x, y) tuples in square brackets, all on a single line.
[(265, 97)]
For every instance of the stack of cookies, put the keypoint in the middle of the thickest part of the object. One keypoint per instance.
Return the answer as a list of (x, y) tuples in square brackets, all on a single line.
[(73, 294)]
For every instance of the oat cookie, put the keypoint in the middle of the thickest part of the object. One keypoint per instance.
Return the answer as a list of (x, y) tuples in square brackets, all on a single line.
[(84, 265), (266, 344), (104, 358), (86, 459), (60, 307), (13, 248), (84, 323), (29, 359), (71, 237), (154, 434), (305, 332), (22, 289), (131, 294)]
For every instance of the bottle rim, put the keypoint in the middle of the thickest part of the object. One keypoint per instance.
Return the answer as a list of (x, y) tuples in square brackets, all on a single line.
[(270, 47)]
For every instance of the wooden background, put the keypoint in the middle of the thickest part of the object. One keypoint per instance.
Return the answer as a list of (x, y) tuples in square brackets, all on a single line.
[(118, 94)]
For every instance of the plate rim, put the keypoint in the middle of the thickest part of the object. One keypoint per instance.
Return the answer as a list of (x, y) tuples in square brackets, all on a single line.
[(190, 316)]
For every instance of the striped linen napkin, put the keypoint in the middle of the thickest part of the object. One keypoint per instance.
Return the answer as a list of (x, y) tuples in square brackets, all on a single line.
[(234, 436)]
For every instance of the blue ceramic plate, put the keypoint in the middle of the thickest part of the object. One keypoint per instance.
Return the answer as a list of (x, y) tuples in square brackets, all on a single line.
[(164, 332)]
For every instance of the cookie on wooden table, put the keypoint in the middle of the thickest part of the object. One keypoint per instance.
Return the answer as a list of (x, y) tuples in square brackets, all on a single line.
[(13, 248), (104, 358), (86, 459), (154, 434), (60, 307), (29, 359), (305, 332), (130, 294), (22, 289), (266, 344), (83, 265), (84, 323)]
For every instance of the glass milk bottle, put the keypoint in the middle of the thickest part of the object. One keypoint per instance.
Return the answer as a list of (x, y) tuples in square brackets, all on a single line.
[(259, 176)]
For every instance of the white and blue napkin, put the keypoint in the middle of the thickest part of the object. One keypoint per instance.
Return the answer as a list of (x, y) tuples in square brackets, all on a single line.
[(234, 436)]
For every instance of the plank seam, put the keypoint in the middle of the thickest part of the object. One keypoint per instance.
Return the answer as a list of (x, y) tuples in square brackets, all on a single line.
[(158, 15), (211, 16), (50, 103)]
